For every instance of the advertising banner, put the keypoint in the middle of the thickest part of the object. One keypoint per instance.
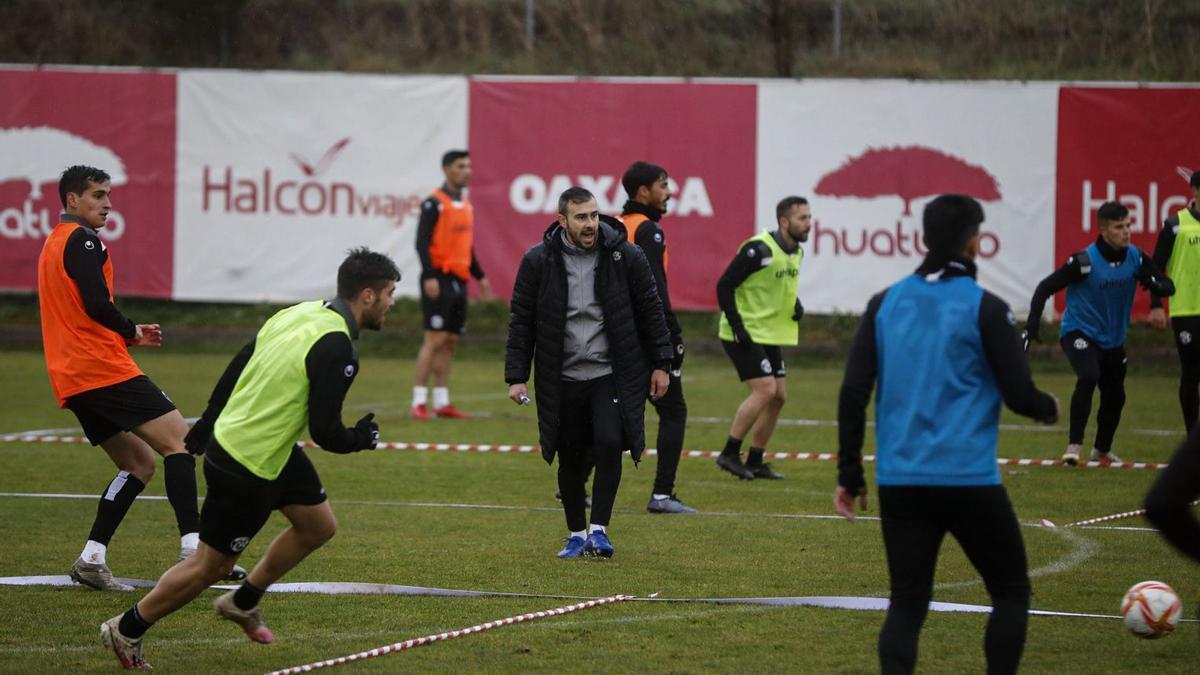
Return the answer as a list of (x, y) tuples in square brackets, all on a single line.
[(531, 140), (121, 122), (1125, 144), (870, 155), (281, 173)]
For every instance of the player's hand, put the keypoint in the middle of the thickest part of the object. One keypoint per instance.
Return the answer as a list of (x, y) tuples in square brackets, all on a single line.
[(742, 336), (485, 290), (1158, 318), (197, 437), (1057, 411), (518, 393), (799, 311), (367, 431), (660, 381), (147, 335), (431, 288), (843, 501)]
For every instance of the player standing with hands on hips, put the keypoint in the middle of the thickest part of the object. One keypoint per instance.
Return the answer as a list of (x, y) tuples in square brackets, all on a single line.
[(293, 376), (945, 354), (585, 314)]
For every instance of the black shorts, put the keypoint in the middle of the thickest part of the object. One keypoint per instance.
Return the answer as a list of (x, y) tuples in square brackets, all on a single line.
[(124, 406), (449, 311), (755, 360), (238, 503)]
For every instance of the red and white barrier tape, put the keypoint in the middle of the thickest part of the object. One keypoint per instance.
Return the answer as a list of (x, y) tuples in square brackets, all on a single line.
[(1104, 519), (436, 637), (529, 449)]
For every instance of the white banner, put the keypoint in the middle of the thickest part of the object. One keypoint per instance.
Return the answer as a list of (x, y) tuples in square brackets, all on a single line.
[(279, 174), (869, 154)]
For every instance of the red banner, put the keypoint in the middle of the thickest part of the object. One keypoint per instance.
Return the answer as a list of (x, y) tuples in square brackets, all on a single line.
[(123, 123), (1136, 146), (530, 141)]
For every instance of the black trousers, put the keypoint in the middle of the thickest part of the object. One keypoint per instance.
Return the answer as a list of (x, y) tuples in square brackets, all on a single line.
[(1167, 504), (590, 436), (672, 419), (1095, 367), (1187, 343), (915, 520)]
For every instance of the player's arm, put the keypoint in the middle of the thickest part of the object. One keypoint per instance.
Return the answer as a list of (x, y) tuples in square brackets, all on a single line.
[(1163, 246), (82, 261), (522, 318), (332, 365), (1073, 270), (1006, 357), (651, 241), (752, 257), (1152, 279), (197, 437), (647, 311), (431, 209), (857, 384)]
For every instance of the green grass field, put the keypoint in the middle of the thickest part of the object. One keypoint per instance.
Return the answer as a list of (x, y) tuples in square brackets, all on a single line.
[(396, 526)]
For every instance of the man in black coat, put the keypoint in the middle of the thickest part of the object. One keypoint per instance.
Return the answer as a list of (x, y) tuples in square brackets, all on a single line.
[(585, 312)]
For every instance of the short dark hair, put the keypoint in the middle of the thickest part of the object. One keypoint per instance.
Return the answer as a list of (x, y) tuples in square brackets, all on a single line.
[(641, 173), (1112, 211), (784, 207), (949, 222), (1195, 179), (573, 195), (453, 156), (76, 178), (364, 268)]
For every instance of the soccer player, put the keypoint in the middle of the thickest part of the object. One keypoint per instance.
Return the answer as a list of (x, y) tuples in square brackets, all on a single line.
[(1100, 282), (1178, 252), (1168, 504), (759, 314), (648, 191), (86, 340), (445, 234), (293, 375), (586, 314), (945, 354)]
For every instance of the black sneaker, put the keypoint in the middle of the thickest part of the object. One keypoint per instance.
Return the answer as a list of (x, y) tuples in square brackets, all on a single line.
[(764, 470), (733, 464)]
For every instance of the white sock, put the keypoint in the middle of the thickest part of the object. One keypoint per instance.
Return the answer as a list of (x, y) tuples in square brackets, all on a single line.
[(596, 528), (658, 496), (581, 534), (189, 541), (441, 397), (93, 552), (420, 396)]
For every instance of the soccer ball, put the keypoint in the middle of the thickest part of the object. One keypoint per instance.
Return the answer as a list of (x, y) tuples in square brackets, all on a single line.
[(1151, 609)]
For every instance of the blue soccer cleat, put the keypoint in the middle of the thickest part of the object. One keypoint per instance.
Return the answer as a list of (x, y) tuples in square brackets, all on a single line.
[(574, 548), (598, 545)]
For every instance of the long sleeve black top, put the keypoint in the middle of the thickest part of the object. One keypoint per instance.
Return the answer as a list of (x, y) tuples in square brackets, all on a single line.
[(431, 210), (651, 239), (1165, 244), (327, 363), (1001, 346), (1078, 266), (83, 258), (753, 256)]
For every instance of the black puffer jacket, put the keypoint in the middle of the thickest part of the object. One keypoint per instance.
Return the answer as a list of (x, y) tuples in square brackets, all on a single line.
[(633, 321)]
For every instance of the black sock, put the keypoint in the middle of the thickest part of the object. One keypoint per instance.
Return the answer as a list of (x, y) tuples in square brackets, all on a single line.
[(181, 491), (246, 597), (132, 625), (733, 446), (755, 457), (114, 504)]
